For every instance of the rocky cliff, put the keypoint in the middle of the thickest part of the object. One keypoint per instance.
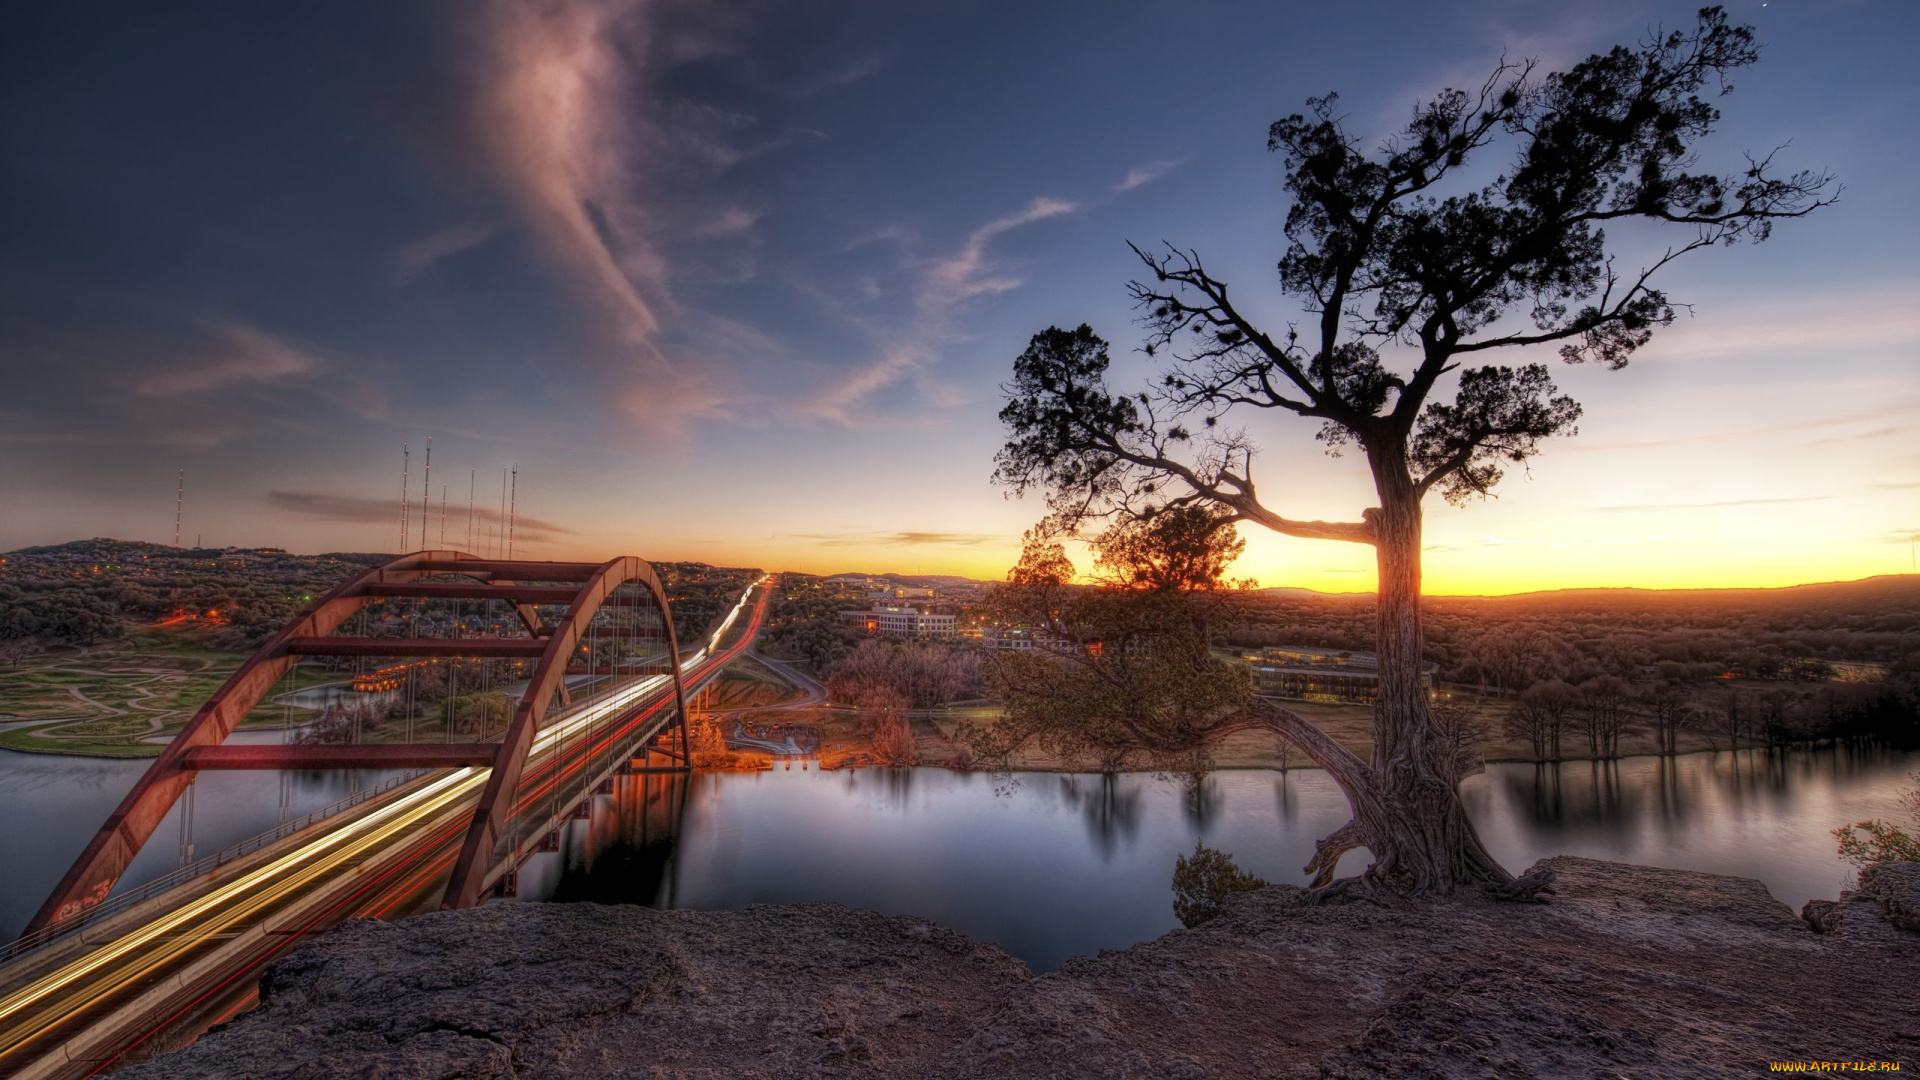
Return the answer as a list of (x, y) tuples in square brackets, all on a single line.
[(1628, 972)]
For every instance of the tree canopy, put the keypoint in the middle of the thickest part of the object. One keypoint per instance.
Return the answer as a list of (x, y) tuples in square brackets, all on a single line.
[(1404, 275)]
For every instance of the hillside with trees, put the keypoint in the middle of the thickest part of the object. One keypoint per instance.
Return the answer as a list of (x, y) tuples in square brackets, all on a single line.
[(89, 591)]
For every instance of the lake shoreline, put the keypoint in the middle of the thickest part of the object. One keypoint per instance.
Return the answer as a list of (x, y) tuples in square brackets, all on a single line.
[(750, 760)]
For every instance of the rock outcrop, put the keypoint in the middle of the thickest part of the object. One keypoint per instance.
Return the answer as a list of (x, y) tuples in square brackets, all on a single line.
[(1629, 972)]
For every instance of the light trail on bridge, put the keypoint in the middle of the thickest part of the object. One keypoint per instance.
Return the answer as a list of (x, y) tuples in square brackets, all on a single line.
[(223, 935)]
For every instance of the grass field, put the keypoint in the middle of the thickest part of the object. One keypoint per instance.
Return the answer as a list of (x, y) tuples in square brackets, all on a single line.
[(114, 699)]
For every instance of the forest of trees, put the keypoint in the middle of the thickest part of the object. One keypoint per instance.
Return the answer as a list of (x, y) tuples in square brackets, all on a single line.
[(1581, 669), (1736, 668), (88, 591), (1509, 643), (804, 620)]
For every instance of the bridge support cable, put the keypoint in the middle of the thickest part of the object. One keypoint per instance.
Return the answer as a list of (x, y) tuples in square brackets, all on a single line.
[(200, 744)]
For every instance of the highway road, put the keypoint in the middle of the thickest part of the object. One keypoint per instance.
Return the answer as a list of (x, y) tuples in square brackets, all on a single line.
[(194, 959)]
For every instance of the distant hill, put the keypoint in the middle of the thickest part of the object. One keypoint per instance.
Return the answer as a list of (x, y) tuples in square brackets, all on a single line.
[(913, 581), (1883, 591), (1886, 590), (85, 590), (1865, 594), (105, 549)]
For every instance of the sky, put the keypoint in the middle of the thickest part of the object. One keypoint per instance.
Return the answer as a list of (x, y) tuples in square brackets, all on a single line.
[(740, 282)]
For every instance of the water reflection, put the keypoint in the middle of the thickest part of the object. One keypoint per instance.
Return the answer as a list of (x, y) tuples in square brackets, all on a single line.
[(1048, 866), (1052, 866), (1110, 807), (51, 806), (622, 851), (1748, 812)]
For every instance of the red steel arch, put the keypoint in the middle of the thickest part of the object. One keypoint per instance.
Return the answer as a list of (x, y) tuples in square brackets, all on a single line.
[(469, 871), (199, 746)]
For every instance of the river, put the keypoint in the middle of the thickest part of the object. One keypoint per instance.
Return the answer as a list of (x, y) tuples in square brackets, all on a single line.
[(1047, 865)]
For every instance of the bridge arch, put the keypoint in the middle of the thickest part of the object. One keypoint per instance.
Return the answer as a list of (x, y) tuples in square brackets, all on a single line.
[(200, 744)]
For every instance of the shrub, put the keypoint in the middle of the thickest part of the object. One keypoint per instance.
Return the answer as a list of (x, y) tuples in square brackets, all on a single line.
[(1202, 883), (1875, 841)]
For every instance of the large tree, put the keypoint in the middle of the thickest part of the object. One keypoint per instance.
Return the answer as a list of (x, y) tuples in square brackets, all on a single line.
[(1411, 281)]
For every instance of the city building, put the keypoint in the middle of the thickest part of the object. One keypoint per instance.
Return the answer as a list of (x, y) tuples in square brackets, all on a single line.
[(994, 637), (1325, 675), (901, 620)]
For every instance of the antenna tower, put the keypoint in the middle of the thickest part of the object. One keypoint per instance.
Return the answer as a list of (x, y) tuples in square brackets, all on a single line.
[(510, 506), (405, 505), (426, 491), (179, 500)]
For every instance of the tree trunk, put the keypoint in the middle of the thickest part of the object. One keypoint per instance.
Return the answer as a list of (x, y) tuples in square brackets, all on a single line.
[(1411, 814), (1406, 801)]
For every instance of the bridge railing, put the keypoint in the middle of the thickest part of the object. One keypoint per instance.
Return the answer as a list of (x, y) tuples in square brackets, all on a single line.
[(121, 901)]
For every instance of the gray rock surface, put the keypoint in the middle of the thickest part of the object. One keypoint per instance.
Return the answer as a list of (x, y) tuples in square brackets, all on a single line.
[(1889, 895), (1629, 972), (1895, 886)]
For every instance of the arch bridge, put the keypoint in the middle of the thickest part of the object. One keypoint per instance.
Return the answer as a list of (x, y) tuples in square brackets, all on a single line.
[(612, 639)]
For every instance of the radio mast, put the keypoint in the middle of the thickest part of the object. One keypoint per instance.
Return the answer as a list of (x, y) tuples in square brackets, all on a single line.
[(405, 499), (426, 492)]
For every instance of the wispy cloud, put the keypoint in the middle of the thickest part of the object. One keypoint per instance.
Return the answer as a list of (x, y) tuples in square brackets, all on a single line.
[(1815, 326), (238, 355), (613, 173), (178, 381), (968, 273), (1770, 500), (416, 257), (1711, 504), (886, 539), (1863, 436), (853, 71), (1895, 411), (550, 107), (945, 284), (884, 234), (356, 510), (1145, 174), (730, 221)]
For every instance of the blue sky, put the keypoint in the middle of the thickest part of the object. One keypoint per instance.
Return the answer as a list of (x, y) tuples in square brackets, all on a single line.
[(739, 282)]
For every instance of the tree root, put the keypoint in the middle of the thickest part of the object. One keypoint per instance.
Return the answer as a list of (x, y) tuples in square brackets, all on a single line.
[(1327, 852), (1360, 888), (1525, 889)]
